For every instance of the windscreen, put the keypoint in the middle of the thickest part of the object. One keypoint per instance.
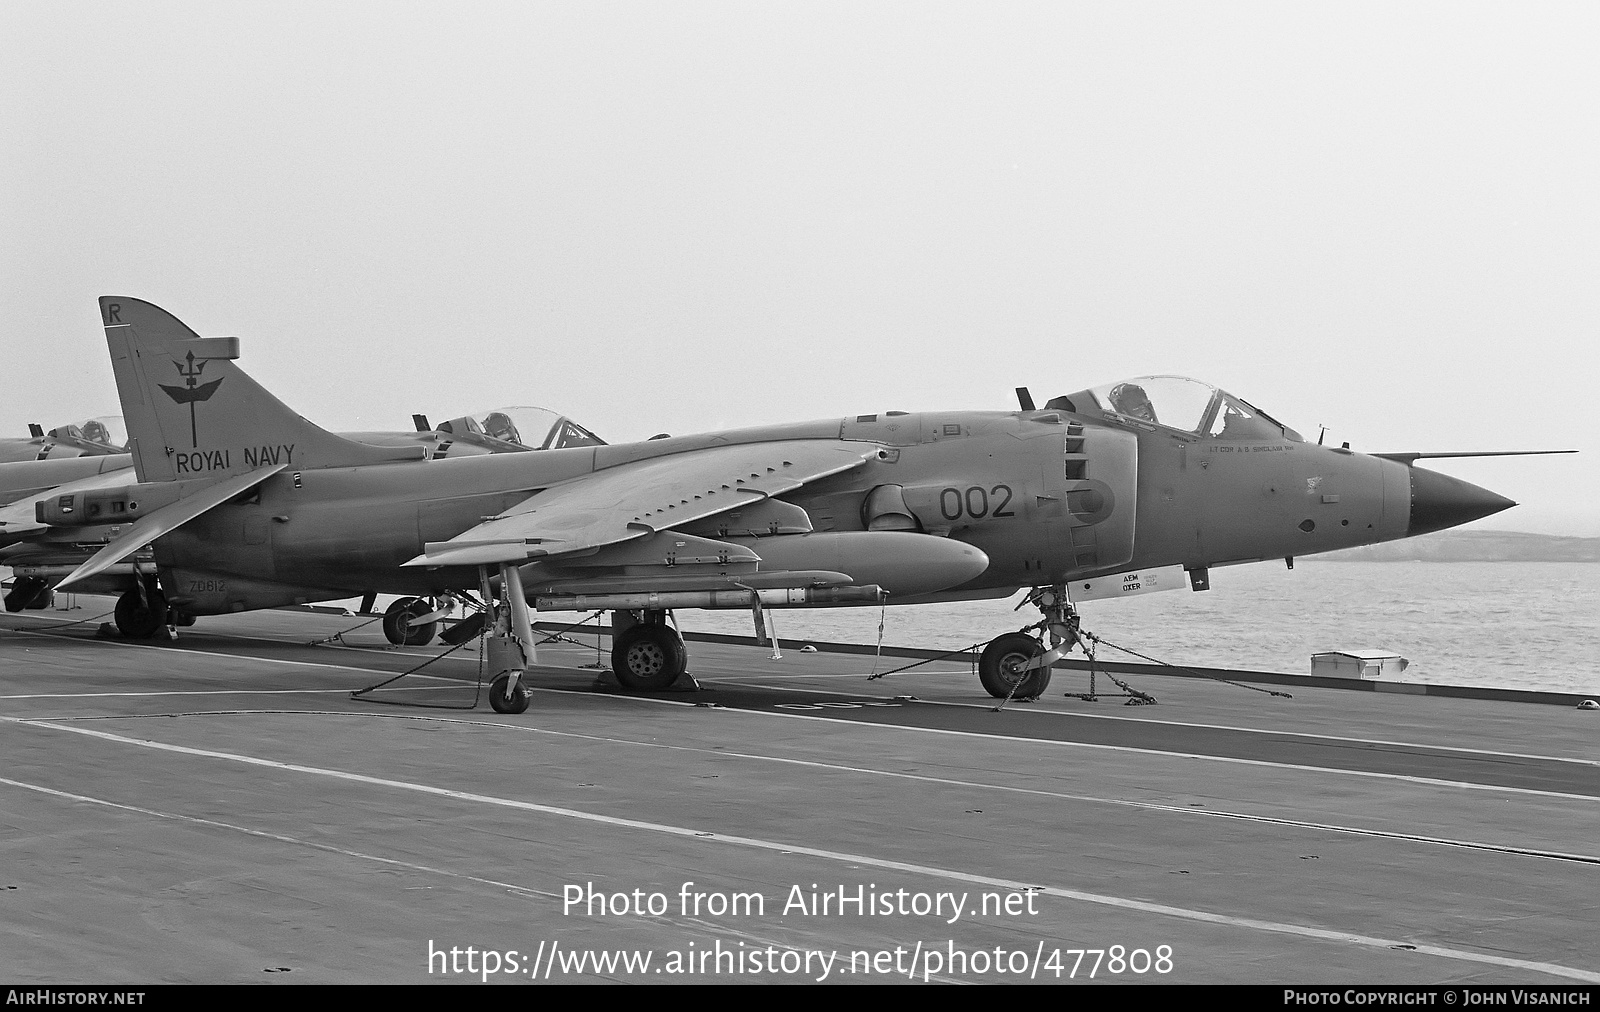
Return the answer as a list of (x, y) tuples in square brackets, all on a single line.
[(1173, 401), (1177, 402), (534, 427)]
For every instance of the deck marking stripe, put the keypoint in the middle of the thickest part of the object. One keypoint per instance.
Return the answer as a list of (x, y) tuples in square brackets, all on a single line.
[(934, 730), (508, 886), (783, 688), (1261, 730), (1276, 927), (1340, 770), (278, 837), (192, 652), (1046, 712), (979, 734), (1216, 813), (219, 692), (187, 652), (1554, 855), (1429, 781), (1040, 792), (858, 675)]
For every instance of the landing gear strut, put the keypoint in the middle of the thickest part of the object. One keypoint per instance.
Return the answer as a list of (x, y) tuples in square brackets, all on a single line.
[(510, 647), (1016, 665), (647, 655)]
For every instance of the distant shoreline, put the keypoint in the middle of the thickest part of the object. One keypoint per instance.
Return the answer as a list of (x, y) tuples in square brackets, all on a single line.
[(1475, 546)]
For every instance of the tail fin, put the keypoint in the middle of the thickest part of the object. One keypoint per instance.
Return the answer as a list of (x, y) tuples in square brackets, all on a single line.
[(191, 412)]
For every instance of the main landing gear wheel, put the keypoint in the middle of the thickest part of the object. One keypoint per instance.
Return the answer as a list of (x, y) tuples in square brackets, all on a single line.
[(140, 619), (649, 657), (398, 627), (1001, 669), (515, 702)]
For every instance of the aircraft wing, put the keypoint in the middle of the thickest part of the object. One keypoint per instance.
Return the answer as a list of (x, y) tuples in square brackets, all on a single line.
[(166, 520), (639, 498)]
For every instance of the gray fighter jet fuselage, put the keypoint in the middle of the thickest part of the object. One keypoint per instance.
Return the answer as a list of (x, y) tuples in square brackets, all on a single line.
[(1140, 498), (251, 506)]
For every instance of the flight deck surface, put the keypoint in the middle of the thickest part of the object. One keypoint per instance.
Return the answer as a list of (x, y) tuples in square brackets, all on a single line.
[(218, 809)]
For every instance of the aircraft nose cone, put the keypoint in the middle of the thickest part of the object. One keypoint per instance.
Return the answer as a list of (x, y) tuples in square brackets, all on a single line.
[(1439, 501)]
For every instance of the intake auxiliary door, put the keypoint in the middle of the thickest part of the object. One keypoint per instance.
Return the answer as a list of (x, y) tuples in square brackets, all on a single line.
[(1097, 480)]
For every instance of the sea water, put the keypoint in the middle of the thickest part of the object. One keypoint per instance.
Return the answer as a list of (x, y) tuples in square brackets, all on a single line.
[(1527, 625)]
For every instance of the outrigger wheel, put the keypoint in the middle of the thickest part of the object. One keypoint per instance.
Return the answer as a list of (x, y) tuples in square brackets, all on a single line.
[(141, 613), (514, 702), (28, 592), (398, 627), (1003, 667), (649, 656)]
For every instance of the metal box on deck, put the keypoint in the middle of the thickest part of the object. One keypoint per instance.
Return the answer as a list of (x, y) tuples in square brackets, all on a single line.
[(1369, 664)]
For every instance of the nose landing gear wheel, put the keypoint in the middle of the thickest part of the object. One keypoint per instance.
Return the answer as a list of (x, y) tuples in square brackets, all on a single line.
[(514, 702), (648, 657), (397, 627), (1001, 668)]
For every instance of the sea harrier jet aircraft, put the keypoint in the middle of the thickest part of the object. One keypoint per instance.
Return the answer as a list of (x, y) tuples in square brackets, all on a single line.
[(1108, 490)]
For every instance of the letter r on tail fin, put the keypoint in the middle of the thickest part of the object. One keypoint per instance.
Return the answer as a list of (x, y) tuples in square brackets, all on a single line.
[(192, 412)]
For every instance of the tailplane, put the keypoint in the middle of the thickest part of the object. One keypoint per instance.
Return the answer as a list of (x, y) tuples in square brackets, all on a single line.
[(192, 412)]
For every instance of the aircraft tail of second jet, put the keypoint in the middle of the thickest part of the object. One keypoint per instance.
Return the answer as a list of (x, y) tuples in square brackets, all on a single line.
[(191, 412)]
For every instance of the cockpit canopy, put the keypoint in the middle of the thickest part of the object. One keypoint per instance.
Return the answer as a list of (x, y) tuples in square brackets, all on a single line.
[(525, 426), (1177, 402), (106, 432)]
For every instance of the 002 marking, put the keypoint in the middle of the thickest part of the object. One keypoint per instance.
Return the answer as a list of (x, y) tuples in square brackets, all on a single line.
[(953, 503)]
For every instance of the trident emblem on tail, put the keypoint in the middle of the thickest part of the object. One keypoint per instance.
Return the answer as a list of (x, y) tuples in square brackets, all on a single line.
[(192, 391)]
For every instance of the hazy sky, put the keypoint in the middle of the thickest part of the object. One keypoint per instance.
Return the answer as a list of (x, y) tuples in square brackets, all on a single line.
[(1382, 217)]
